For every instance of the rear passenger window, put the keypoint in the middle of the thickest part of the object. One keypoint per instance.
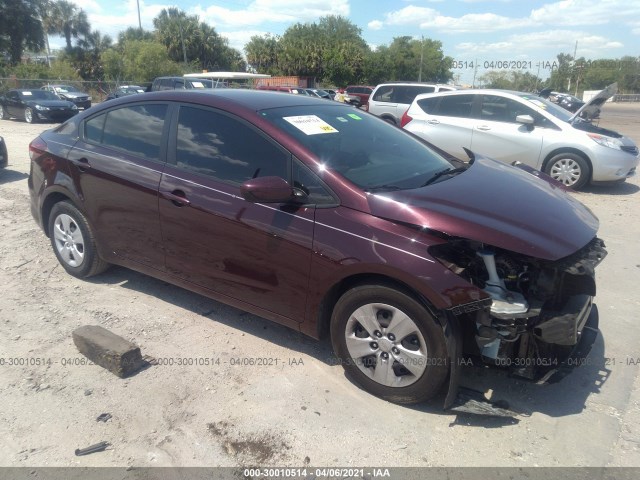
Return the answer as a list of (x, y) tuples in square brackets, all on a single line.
[(136, 129), (384, 94), (220, 146), (429, 105), (408, 94), (93, 128), (456, 106)]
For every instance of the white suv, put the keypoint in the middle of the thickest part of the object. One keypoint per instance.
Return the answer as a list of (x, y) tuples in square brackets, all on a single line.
[(390, 100), (523, 127)]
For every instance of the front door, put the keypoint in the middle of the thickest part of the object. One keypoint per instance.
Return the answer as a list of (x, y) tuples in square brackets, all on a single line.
[(257, 253)]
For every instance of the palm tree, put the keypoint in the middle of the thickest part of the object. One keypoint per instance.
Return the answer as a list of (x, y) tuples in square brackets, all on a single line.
[(45, 9), (20, 27), (68, 20)]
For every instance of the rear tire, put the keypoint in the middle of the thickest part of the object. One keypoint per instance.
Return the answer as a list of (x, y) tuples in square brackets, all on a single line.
[(28, 115), (389, 344), (73, 241)]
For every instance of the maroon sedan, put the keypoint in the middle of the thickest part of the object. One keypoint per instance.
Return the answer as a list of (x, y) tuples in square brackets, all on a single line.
[(330, 221)]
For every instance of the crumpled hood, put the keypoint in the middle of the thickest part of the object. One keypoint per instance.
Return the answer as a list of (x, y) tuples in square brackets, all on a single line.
[(496, 204)]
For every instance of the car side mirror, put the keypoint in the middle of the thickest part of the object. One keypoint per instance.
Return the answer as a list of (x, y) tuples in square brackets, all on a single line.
[(267, 190), (526, 120)]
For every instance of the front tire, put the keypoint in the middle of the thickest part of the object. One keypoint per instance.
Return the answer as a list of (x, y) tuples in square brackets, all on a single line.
[(389, 344), (73, 241), (570, 169), (28, 115)]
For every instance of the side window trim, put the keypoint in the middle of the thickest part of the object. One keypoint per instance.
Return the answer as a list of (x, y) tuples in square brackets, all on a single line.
[(162, 153)]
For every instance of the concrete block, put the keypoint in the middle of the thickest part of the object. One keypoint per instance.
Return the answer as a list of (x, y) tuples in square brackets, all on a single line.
[(108, 350)]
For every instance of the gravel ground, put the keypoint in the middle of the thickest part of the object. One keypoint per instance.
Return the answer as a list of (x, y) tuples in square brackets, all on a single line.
[(201, 406)]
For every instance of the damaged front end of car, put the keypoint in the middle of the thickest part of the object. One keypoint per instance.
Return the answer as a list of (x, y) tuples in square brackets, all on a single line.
[(538, 318)]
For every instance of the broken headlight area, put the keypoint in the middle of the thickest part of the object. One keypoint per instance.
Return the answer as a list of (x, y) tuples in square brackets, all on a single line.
[(533, 319)]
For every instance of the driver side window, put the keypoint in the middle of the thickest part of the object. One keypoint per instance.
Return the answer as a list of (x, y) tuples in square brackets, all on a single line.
[(220, 146)]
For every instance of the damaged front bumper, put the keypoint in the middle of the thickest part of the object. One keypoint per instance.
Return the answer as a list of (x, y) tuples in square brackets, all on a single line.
[(549, 331)]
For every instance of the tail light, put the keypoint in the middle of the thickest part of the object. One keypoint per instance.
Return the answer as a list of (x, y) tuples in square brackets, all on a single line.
[(37, 147), (406, 118), (366, 106)]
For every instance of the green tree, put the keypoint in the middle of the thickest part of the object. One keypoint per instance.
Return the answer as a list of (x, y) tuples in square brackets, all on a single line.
[(262, 54), (20, 28), (194, 43), (511, 80), (378, 65), (133, 33), (331, 50), (138, 61), (559, 78), (68, 21)]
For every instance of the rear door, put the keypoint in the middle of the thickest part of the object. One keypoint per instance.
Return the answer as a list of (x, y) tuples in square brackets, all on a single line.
[(405, 95), (117, 163), (256, 253), (448, 122), (497, 134)]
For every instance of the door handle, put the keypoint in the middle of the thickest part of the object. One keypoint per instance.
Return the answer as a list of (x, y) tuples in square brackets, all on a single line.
[(82, 164), (433, 122), (177, 197), (484, 128)]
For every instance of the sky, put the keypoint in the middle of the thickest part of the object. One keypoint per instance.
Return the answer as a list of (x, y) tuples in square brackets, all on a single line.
[(479, 35)]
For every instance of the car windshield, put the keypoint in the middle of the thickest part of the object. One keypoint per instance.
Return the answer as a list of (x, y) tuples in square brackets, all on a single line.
[(545, 104), (132, 89), (37, 95), (66, 88), (366, 150), (199, 83)]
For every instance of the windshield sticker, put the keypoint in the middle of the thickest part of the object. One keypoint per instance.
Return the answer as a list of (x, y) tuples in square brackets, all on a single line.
[(342, 119), (197, 84), (355, 117), (26, 93), (310, 124)]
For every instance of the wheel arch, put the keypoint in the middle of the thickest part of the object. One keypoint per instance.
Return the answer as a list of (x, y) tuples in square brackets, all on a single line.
[(47, 206), (389, 118), (332, 295)]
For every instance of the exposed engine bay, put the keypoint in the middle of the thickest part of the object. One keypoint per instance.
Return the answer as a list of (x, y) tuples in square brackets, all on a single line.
[(536, 311)]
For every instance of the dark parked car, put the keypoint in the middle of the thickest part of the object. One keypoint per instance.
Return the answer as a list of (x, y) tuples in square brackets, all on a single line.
[(316, 92), (330, 221), (34, 106), (124, 90), (70, 93), (569, 102), (4, 155)]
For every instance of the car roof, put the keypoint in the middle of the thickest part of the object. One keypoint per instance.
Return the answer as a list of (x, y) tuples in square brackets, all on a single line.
[(250, 99), (416, 83), (475, 91)]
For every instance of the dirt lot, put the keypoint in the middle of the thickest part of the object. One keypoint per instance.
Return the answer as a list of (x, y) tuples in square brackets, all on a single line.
[(299, 409)]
